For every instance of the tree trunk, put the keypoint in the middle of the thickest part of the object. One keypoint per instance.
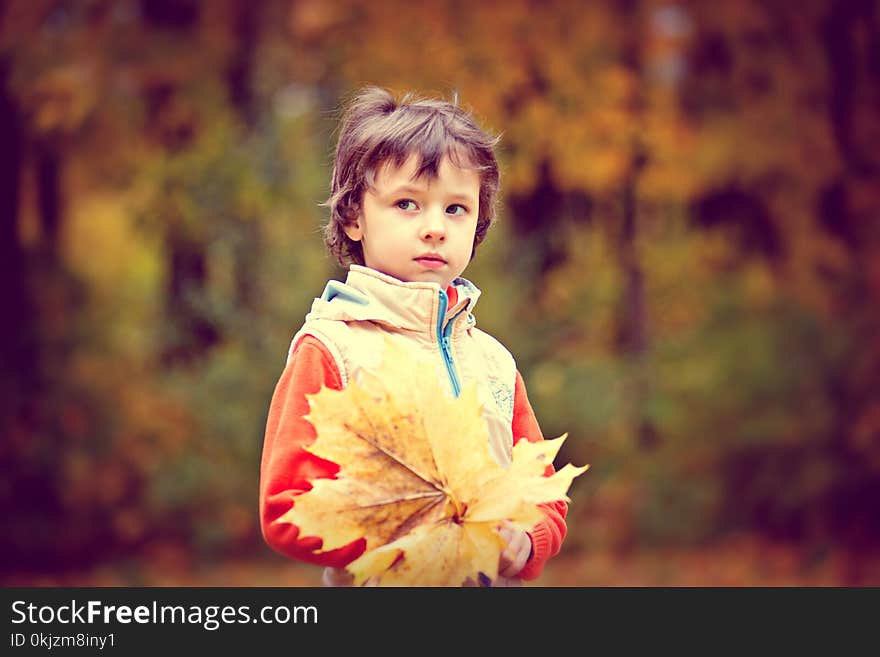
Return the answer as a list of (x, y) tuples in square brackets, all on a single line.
[(631, 339), (239, 80), (17, 351), (193, 332), (49, 196), (239, 75), (632, 334), (537, 218)]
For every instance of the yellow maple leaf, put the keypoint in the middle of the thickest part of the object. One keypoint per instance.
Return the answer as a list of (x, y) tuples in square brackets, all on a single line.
[(417, 480)]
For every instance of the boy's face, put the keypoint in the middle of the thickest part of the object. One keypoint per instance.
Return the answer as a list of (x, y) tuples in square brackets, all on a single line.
[(419, 230)]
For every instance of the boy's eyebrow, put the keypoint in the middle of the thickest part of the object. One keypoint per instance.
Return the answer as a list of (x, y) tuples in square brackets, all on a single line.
[(413, 189)]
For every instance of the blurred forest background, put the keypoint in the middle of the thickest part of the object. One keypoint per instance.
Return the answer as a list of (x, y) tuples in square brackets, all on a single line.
[(686, 265)]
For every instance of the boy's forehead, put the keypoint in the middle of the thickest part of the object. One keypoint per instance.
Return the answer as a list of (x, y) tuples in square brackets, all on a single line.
[(458, 170)]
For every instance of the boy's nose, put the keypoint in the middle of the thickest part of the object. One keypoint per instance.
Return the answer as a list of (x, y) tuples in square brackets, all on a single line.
[(432, 228)]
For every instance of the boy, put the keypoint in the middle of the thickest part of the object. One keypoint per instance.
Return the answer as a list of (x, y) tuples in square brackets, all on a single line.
[(412, 196)]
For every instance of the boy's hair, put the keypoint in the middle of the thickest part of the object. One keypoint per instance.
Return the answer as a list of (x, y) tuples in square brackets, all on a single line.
[(375, 130)]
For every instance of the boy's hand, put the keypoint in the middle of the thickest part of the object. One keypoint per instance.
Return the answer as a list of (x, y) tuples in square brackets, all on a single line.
[(516, 554)]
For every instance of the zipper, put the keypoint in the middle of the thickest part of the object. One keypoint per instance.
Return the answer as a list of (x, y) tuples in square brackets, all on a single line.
[(443, 341)]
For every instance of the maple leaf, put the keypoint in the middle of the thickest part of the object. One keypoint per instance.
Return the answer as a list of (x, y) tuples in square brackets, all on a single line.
[(417, 480)]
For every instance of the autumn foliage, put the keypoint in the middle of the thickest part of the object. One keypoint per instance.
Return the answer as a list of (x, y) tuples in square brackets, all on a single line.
[(685, 263)]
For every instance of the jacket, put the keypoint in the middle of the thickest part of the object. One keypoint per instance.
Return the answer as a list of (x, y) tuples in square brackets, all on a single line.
[(342, 333)]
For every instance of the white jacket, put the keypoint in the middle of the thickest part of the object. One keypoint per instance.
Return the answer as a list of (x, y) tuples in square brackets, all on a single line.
[(352, 319)]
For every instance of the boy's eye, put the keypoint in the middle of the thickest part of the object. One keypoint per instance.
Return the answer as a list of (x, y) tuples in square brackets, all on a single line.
[(456, 209), (406, 204)]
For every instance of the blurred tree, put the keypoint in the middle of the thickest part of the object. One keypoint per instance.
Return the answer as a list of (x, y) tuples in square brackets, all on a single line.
[(95, 418), (785, 189)]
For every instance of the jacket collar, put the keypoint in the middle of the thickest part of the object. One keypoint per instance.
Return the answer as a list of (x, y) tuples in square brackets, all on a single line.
[(370, 295)]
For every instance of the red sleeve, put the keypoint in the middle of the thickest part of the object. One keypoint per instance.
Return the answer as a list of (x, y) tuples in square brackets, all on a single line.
[(287, 469), (548, 534)]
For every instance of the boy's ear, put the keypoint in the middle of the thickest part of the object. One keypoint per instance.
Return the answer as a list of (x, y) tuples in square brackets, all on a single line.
[(354, 228)]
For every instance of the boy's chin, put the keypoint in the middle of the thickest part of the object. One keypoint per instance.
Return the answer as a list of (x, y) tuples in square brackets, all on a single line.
[(444, 279)]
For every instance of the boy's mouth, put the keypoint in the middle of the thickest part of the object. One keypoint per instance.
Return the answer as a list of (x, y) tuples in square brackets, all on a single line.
[(430, 260)]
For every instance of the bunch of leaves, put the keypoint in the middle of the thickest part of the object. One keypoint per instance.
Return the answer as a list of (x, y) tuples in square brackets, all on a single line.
[(417, 479)]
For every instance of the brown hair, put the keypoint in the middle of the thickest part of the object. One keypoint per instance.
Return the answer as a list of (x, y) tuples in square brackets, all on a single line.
[(376, 129)]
